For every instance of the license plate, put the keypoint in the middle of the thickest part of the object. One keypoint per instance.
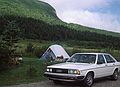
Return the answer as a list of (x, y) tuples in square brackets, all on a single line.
[(59, 71)]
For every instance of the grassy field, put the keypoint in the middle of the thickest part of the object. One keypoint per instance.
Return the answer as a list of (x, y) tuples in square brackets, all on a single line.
[(30, 70), (70, 46)]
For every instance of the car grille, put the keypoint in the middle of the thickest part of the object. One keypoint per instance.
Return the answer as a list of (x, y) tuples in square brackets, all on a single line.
[(56, 70)]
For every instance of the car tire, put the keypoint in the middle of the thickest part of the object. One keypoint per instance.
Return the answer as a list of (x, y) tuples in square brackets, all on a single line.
[(114, 77), (88, 81)]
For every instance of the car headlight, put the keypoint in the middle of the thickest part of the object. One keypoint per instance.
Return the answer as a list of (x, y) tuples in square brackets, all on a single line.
[(49, 70), (74, 72)]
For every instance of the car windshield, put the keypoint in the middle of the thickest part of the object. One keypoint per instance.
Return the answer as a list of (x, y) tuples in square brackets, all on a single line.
[(83, 58)]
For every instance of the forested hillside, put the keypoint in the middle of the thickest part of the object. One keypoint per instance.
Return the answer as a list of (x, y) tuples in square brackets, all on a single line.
[(42, 11), (36, 29), (38, 20)]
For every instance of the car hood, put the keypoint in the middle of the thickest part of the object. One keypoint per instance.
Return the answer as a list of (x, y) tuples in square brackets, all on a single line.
[(80, 66)]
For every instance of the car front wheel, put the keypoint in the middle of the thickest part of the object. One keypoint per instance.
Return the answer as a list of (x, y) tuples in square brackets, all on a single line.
[(115, 75), (88, 81)]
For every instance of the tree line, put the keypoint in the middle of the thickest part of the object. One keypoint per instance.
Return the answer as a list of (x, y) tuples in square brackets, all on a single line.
[(37, 29)]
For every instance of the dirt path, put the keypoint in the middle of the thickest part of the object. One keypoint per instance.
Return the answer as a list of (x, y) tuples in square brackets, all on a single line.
[(105, 82)]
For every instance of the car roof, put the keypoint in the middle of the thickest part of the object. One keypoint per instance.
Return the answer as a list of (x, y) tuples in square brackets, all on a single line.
[(94, 53)]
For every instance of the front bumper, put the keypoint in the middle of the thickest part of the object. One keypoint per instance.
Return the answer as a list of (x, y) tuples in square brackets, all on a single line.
[(63, 77)]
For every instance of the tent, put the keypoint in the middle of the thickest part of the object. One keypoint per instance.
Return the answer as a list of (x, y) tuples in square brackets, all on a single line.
[(55, 52)]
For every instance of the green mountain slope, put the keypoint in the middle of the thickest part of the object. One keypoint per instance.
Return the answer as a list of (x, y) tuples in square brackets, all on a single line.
[(99, 31), (42, 11), (27, 8)]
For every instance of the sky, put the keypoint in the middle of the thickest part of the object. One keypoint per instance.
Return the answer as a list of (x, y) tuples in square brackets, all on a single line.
[(102, 14)]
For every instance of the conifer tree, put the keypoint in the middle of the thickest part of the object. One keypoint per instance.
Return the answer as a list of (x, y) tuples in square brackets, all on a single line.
[(8, 41)]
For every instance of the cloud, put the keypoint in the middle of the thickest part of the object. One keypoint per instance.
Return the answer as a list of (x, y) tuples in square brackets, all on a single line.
[(80, 4), (91, 19), (80, 12)]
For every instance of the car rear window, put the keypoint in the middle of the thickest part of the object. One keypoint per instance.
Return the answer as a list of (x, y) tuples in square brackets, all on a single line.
[(109, 59)]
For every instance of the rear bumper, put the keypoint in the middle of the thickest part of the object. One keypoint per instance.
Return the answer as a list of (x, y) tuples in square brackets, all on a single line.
[(63, 77)]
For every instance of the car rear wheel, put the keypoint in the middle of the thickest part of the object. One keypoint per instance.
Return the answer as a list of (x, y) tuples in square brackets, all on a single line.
[(115, 75), (88, 81)]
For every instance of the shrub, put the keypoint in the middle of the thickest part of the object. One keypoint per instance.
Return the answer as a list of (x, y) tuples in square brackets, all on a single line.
[(30, 48), (39, 51), (31, 72)]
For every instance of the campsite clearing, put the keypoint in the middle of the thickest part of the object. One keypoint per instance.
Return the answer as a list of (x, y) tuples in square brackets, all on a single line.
[(30, 70), (18, 74)]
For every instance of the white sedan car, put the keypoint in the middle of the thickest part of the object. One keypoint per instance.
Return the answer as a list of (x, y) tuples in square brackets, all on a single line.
[(84, 67)]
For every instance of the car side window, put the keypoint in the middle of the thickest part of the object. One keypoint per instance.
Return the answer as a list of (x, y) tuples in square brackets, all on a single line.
[(109, 59), (101, 59)]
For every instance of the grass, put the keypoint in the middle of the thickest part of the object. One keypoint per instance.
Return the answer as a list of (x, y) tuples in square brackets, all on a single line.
[(30, 70), (70, 46)]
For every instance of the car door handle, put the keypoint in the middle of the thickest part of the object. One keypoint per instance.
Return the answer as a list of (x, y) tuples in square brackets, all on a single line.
[(106, 65), (113, 64)]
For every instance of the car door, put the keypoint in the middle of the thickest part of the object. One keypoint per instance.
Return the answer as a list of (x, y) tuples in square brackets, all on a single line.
[(100, 70), (110, 63)]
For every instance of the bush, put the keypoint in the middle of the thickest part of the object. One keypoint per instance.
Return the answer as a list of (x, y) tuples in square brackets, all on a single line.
[(37, 52), (31, 72), (30, 48), (75, 50), (40, 51)]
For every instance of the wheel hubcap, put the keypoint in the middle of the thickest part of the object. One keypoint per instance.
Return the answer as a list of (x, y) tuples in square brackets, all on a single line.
[(116, 75), (89, 80)]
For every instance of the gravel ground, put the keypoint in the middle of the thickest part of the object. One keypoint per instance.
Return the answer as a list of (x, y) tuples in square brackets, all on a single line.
[(104, 82)]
